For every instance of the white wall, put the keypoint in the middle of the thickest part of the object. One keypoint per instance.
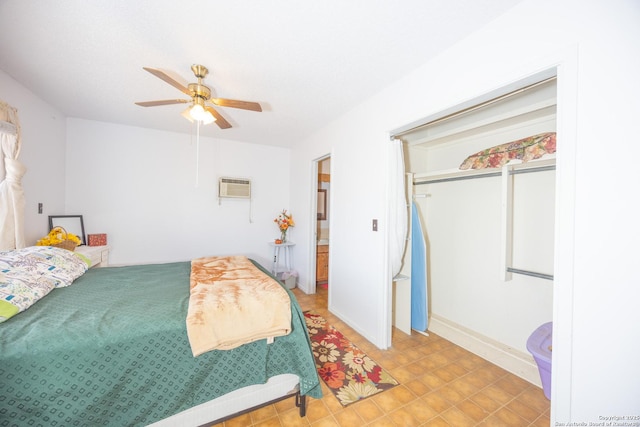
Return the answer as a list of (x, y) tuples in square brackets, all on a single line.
[(357, 253), (43, 154), (462, 223), (139, 186), (594, 44)]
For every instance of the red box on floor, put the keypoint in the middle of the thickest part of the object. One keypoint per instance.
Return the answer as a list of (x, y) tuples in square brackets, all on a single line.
[(97, 239)]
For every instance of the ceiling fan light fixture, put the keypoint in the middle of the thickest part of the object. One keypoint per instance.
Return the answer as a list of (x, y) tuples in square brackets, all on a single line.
[(198, 112), (187, 114), (208, 118)]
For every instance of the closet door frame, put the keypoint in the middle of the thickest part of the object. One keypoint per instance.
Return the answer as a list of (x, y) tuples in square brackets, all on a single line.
[(563, 65)]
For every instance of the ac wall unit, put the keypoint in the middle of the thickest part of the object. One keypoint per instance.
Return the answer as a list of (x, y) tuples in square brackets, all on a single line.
[(238, 188)]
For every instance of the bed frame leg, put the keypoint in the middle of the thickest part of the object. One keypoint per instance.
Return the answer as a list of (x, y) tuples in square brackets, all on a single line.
[(301, 402)]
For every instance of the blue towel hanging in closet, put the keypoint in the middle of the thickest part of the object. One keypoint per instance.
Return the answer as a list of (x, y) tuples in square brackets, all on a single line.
[(419, 315)]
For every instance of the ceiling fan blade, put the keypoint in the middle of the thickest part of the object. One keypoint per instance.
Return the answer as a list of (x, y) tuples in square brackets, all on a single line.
[(163, 102), (220, 121), (245, 105), (164, 76)]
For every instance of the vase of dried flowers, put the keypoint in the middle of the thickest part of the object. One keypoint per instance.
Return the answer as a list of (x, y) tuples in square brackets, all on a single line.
[(284, 221)]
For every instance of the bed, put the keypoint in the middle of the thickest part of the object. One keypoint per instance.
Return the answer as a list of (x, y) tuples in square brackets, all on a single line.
[(112, 349)]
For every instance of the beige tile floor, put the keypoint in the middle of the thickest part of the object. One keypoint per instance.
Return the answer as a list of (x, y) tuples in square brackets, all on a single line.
[(441, 384)]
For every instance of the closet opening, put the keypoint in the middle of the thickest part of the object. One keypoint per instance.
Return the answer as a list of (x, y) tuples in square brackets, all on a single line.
[(481, 180)]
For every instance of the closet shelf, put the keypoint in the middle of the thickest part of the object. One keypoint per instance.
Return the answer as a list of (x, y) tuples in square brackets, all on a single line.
[(457, 174), (536, 113)]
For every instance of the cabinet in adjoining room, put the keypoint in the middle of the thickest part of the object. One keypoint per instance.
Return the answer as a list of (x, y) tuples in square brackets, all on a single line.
[(322, 263)]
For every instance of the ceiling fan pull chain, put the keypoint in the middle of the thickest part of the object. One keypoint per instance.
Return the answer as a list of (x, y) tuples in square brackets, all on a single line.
[(197, 151)]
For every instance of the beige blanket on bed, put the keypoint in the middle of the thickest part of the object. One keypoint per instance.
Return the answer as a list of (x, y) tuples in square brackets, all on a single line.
[(232, 302)]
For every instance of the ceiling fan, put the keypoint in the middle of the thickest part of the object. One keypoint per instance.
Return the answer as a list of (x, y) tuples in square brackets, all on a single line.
[(200, 95)]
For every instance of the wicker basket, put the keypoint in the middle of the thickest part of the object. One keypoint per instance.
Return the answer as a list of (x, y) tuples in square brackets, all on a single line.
[(65, 244)]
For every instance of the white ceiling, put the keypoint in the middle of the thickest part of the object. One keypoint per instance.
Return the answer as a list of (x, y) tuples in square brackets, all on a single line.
[(306, 62)]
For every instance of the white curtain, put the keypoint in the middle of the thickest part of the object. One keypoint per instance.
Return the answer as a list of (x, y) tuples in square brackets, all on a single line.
[(11, 173), (399, 207)]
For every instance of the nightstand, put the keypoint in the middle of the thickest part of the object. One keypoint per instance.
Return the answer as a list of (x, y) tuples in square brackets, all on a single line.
[(286, 246), (98, 255)]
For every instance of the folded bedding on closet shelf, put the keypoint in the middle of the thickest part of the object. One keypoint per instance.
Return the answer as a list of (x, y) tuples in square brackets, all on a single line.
[(525, 149), (232, 302)]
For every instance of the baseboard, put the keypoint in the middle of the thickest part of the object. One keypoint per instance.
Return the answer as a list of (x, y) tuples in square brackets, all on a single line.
[(508, 358)]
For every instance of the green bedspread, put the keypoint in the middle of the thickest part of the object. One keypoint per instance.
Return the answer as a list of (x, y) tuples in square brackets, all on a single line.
[(112, 349)]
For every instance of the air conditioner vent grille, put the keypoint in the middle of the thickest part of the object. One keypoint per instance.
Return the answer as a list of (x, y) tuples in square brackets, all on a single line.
[(239, 188)]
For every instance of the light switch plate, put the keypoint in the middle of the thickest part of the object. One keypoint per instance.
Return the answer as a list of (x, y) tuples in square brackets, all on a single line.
[(375, 225)]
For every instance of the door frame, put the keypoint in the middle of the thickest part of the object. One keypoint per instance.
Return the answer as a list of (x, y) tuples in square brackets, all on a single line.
[(564, 65), (313, 231)]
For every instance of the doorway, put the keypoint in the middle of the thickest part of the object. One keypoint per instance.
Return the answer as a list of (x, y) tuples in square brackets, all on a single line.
[(322, 221)]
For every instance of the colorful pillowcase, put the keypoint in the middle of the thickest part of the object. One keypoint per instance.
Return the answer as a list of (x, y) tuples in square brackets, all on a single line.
[(18, 291), (28, 274)]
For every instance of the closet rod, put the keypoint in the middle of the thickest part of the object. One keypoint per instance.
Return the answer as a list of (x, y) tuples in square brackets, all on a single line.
[(530, 273), (458, 178), (487, 175), (527, 170)]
